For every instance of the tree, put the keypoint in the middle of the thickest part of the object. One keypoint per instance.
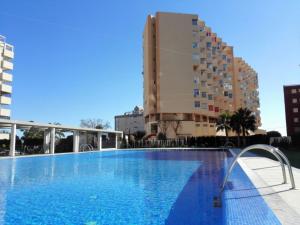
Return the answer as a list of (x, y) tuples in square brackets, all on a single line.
[(223, 123), (94, 123), (273, 133), (161, 136), (236, 127), (138, 135), (243, 121), (33, 133)]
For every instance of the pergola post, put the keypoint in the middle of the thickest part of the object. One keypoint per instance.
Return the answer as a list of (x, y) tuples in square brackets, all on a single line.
[(12, 150), (116, 144), (52, 140), (46, 144), (99, 140), (75, 141)]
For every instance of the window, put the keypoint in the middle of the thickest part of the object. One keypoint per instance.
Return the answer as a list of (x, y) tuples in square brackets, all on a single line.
[(208, 44), (294, 91), (195, 56), (203, 83), (214, 49), (194, 21), (211, 108), (295, 100), (224, 57), (230, 95), (217, 109), (204, 106), (195, 67), (297, 129), (210, 97), (296, 120), (203, 94), (215, 69), (196, 80), (197, 104), (224, 66), (225, 93), (195, 45), (196, 92), (295, 110), (197, 125)]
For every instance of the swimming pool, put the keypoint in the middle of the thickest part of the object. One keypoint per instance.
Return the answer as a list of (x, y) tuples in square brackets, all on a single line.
[(127, 187)]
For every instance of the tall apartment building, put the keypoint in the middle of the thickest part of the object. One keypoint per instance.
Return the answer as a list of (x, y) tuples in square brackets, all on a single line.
[(6, 66), (292, 109), (191, 76), (246, 88)]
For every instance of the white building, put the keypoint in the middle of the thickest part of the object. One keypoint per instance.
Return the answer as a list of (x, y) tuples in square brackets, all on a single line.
[(6, 66), (130, 122)]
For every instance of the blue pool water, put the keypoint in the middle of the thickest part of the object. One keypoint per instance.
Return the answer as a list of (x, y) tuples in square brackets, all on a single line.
[(127, 187)]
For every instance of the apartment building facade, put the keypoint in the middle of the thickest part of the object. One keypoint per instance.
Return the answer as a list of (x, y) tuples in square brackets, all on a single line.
[(190, 77), (292, 109), (130, 122), (6, 66)]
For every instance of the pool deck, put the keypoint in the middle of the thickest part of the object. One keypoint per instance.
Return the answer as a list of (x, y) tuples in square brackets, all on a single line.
[(266, 175)]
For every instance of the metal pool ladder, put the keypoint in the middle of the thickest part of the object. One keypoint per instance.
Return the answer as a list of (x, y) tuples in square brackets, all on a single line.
[(83, 147), (274, 151)]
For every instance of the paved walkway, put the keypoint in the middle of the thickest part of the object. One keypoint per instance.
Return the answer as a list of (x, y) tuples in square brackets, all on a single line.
[(266, 175)]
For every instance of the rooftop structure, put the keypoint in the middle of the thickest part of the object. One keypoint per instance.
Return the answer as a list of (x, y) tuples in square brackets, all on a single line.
[(49, 134)]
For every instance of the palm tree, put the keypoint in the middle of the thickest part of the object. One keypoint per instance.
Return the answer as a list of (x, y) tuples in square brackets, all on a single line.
[(235, 126), (223, 123), (243, 121)]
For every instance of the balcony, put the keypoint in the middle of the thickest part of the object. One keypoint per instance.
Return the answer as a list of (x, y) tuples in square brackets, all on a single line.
[(6, 77), (5, 100), (5, 112), (8, 53), (6, 65), (5, 88)]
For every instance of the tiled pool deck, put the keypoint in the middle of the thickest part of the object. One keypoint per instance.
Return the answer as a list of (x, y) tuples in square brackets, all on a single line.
[(266, 175)]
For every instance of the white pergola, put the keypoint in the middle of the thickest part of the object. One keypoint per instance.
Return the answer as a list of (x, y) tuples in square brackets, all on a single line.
[(49, 134)]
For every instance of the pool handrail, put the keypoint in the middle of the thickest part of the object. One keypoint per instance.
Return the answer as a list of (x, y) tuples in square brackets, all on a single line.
[(89, 146), (275, 151)]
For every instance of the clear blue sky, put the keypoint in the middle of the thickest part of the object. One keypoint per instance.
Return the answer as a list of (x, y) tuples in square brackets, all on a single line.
[(79, 59)]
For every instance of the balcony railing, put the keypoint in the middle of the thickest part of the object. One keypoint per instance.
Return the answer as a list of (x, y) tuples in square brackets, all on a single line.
[(6, 65)]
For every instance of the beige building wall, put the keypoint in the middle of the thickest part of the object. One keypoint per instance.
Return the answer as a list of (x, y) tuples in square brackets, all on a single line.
[(6, 66), (247, 95), (130, 122), (189, 76)]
